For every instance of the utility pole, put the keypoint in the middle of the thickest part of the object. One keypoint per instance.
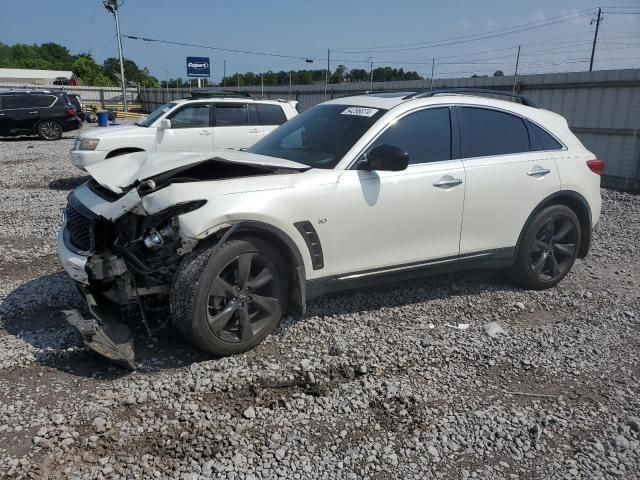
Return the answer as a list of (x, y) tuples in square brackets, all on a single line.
[(262, 84), (515, 75), (112, 7), (433, 64), (326, 75), (166, 74), (370, 73), (595, 38), (238, 77), (224, 73), (289, 85)]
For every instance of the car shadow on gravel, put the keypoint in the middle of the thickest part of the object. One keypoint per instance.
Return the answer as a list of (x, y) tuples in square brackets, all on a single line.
[(35, 138), (30, 313), (68, 183), (404, 293)]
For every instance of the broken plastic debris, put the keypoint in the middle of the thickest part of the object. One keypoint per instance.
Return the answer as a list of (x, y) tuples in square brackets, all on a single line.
[(431, 326), (461, 326), (493, 329)]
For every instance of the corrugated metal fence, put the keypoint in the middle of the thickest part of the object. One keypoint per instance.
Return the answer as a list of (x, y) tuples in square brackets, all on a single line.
[(602, 107)]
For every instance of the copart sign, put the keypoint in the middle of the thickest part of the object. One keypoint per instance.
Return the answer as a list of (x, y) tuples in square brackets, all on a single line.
[(198, 67)]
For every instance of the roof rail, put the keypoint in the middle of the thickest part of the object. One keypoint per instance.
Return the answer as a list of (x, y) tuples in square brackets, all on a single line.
[(482, 91), (206, 93)]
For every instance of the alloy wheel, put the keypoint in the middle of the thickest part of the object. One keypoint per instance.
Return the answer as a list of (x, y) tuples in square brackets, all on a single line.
[(554, 248), (49, 130), (243, 298)]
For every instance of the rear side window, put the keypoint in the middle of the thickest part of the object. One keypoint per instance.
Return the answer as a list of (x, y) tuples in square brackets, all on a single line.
[(253, 115), (425, 135), (271, 114), (40, 101), (489, 132), (14, 101), (541, 139), (231, 115)]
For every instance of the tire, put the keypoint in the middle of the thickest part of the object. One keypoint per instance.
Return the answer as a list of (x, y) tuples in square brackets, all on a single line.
[(548, 249), (49, 130), (210, 312)]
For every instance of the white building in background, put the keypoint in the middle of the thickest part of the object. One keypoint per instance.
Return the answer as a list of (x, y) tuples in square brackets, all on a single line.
[(41, 78)]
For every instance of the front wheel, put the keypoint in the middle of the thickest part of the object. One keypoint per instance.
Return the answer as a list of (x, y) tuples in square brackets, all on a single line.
[(49, 130), (548, 249), (229, 303)]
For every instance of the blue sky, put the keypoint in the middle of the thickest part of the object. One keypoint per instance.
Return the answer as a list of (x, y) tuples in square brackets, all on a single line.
[(308, 29)]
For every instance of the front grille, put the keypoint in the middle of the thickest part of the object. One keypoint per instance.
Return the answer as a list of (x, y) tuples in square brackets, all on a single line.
[(80, 230)]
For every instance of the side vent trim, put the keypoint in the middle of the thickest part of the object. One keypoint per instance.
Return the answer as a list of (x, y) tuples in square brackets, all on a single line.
[(312, 240)]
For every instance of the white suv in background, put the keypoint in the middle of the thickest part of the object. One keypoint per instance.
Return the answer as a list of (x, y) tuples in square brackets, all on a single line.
[(353, 192), (197, 124)]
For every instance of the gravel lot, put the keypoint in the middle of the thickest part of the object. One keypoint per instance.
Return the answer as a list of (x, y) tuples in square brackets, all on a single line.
[(362, 387)]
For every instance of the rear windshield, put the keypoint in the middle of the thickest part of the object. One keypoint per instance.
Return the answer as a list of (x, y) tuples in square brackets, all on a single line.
[(156, 114), (319, 137)]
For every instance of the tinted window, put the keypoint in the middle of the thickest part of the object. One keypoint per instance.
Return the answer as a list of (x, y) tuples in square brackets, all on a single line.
[(40, 101), (192, 116), (271, 114), (489, 132), (231, 115), (320, 136), (426, 135), (14, 101), (542, 140)]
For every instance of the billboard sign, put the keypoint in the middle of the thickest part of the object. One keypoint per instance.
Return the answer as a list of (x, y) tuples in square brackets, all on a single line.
[(198, 67)]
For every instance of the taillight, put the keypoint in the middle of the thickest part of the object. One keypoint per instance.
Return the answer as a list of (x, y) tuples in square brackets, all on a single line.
[(71, 111), (596, 166)]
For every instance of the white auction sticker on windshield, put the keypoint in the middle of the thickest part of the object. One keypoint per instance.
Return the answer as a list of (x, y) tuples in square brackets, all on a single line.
[(360, 111)]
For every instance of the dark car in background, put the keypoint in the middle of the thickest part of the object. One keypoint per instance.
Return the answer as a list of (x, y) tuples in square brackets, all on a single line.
[(44, 113), (76, 102)]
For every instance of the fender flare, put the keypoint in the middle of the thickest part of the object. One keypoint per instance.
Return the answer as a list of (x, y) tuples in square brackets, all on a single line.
[(298, 300), (574, 197)]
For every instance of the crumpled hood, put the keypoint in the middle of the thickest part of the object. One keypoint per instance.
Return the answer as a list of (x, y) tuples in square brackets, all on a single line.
[(119, 173)]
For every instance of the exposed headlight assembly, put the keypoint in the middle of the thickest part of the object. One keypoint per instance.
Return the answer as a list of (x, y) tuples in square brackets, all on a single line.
[(88, 144)]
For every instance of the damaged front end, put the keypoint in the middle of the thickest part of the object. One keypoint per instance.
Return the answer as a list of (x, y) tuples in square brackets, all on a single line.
[(120, 237), (123, 266)]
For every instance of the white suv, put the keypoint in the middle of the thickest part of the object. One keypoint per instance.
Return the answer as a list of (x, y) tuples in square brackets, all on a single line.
[(200, 124), (352, 192)]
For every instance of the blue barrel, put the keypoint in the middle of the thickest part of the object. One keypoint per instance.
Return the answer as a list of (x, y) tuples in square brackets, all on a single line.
[(103, 119)]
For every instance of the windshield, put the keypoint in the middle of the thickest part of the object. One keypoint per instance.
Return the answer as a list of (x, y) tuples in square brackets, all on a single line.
[(320, 136), (155, 115)]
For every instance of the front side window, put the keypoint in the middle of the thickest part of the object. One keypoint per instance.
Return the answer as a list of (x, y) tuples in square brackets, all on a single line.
[(425, 135), (271, 114), (10, 102), (231, 115), (195, 115), (156, 114), (320, 136), (487, 132)]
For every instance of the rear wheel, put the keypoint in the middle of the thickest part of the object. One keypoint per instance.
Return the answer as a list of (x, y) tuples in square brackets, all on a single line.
[(49, 130), (229, 303), (548, 249)]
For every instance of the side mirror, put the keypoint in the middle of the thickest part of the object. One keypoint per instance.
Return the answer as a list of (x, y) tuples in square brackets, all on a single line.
[(387, 157), (165, 124)]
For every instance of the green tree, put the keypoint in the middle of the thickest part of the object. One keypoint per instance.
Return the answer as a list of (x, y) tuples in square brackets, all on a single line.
[(498, 73)]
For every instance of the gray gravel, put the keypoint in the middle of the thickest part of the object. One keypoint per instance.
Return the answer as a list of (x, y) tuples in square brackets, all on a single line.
[(363, 387)]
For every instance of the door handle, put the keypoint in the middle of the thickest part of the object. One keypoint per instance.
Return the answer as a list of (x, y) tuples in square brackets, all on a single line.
[(1, 114), (205, 133), (538, 172), (254, 130), (34, 112), (447, 183)]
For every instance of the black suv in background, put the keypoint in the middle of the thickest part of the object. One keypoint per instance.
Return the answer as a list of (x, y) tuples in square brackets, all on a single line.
[(43, 112)]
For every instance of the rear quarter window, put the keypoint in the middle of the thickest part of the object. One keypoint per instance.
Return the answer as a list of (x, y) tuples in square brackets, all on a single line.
[(541, 139), (40, 101), (271, 114), (488, 132)]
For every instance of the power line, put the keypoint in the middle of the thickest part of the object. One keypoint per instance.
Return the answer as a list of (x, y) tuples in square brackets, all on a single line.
[(471, 37), (208, 47)]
